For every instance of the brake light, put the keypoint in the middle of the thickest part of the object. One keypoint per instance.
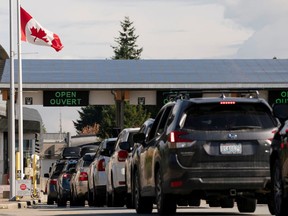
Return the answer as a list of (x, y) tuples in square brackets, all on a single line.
[(273, 132), (122, 155), (101, 165), (122, 182), (176, 140), (175, 184), (53, 181), (66, 175), (227, 102), (83, 176)]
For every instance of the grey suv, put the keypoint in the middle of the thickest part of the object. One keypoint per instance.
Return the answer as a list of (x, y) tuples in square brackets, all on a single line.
[(215, 149)]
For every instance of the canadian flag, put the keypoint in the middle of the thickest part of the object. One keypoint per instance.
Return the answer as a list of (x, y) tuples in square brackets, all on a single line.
[(33, 32)]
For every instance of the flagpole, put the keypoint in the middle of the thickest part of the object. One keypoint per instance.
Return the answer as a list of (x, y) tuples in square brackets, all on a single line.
[(12, 168), (20, 93)]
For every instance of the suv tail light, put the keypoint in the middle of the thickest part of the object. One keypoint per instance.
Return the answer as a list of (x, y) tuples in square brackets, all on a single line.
[(53, 181), (101, 165), (122, 155), (66, 175), (176, 140), (83, 176)]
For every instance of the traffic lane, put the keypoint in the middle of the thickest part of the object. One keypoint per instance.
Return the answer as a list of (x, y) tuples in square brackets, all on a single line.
[(53, 210)]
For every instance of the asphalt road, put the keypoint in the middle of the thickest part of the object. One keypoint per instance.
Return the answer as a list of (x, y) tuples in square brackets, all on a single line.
[(45, 210)]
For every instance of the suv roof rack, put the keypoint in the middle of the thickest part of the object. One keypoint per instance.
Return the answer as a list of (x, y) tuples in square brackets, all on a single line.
[(175, 95)]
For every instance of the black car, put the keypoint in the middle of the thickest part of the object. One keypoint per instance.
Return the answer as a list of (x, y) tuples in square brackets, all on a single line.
[(215, 149), (63, 183), (51, 185), (279, 163), (145, 129), (71, 152)]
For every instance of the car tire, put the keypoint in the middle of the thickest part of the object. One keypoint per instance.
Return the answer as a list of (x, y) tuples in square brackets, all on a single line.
[(227, 202), (108, 199), (90, 198), (50, 201), (247, 205), (143, 205), (194, 202), (166, 204), (61, 202), (279, 201), (129, 201), (98, 202)]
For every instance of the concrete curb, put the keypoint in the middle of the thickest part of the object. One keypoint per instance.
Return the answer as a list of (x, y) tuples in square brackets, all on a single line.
[(18, 204)]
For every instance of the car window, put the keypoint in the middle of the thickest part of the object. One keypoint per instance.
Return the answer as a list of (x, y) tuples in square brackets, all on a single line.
[(220, 117), (160, 122)]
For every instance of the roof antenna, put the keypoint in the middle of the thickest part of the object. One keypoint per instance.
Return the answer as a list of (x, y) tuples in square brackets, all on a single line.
[(257, 94), (222, 96)]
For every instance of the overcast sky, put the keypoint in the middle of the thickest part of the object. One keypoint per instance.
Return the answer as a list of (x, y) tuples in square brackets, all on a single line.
[(167, 29)]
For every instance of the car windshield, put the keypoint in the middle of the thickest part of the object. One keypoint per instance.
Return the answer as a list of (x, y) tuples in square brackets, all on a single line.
[(228, 117), (59, 167)]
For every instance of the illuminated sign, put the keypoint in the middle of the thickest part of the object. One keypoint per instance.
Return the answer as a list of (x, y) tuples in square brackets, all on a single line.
[(278, 97), (65, 98)]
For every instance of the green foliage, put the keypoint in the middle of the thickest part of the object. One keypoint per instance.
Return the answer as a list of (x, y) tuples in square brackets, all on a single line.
[(127, 47), (134, 116), (105, 116), (89, 115)]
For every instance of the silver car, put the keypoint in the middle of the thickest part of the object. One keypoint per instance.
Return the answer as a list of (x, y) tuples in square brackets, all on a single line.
[(97, 178), (116, 185), (79, 179)]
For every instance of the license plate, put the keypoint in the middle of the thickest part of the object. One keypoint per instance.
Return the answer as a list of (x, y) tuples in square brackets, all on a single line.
[(230, 148)]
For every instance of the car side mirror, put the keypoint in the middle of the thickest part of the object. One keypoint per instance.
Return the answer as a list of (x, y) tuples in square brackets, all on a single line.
[(105, 152), (125, 146), (139, 138), (72, 170)]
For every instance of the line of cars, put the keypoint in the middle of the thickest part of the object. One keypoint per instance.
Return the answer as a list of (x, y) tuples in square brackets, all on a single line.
[(59, 184), (223, 150), (216, 149)]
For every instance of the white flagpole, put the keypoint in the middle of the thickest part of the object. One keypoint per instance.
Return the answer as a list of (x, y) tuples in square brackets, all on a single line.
[(12, 168), (20, 93)]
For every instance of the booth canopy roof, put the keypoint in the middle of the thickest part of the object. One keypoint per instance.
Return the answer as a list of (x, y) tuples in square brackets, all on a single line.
[(259, 71)]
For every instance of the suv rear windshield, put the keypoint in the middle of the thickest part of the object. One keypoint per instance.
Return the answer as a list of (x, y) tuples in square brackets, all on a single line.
[(216, 116)]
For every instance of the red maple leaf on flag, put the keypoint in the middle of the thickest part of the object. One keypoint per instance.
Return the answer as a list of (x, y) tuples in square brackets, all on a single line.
[(41, 34)]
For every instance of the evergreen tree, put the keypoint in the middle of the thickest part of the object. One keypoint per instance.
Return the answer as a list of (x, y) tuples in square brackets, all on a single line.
[(89, 116), (127, 47), (134, 116), (105, 116)]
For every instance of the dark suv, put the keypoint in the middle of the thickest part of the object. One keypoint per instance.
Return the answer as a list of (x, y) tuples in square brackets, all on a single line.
[(215, 149), (279, 163)]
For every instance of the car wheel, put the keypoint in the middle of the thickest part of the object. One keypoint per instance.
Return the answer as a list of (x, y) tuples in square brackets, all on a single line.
[(166, 204), (50, 201), (129, 202), (61, 202), (97, 199), (81, 202), (108, 199), (117, 199), (246, 204), (227, 202), (143, 205), (280, 202), (90, 198), (194, 202), (72, 199)]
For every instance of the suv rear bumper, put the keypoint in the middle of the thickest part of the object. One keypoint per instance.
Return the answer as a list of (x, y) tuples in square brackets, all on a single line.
[(240, 180)]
